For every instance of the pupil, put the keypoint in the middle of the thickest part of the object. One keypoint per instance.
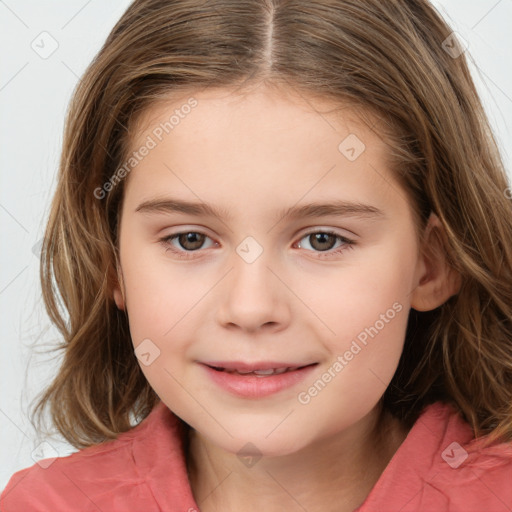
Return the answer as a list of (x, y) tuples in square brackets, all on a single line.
[(191, 238), (321, 238)]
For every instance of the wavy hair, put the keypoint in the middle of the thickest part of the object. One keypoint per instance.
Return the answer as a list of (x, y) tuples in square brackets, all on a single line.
[(397, 60)]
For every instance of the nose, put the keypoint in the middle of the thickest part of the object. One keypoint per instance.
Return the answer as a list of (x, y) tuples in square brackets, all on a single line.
[(253, 297)]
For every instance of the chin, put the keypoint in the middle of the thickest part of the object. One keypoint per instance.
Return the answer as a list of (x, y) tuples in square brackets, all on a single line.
[(255, 444)]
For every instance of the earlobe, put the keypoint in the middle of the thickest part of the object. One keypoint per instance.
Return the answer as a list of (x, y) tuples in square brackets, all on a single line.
[(118, 298), (118, 291), (437, 280)]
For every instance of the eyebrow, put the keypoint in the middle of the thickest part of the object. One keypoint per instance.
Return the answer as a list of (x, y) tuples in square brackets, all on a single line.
[(338, 208)]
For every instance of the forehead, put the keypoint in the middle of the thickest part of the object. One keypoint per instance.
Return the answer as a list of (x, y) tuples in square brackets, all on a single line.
[(280, 144), (264, 108)]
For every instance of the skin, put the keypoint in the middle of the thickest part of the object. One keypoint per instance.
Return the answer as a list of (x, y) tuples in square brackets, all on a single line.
[(253, 154)]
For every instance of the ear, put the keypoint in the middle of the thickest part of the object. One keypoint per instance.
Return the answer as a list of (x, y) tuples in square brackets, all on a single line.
[(118, 290), (436, 281)]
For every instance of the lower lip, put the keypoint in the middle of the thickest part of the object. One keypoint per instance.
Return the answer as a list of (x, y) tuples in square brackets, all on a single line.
[(252, 386)]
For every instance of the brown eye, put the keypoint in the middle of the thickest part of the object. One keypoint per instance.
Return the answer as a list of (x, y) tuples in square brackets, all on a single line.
[(322, 241), (191, 240), (325, 241)]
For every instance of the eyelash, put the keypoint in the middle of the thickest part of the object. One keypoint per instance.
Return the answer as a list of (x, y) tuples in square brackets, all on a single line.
[(349, 244)]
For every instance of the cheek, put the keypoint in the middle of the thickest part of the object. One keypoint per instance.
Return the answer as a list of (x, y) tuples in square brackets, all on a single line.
[(159, 300), (159, 292), (371, 289), (366, 310), (364, 356)]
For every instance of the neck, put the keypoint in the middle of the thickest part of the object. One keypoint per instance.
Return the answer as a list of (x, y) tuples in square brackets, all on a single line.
[(333, 473)]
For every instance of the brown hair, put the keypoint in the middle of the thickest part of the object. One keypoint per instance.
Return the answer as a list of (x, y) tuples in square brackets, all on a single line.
[(386, 58)]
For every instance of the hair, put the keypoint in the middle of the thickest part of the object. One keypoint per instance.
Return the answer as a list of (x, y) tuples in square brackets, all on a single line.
[(387, 59)]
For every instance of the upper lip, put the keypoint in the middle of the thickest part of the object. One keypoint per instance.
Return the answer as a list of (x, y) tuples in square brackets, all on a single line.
[(250, 367)]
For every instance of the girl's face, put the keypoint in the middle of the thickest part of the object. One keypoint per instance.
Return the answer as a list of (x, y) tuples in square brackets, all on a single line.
[(264, 278)]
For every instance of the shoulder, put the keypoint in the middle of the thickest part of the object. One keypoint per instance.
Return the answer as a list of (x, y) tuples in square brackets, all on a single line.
[(461, 473), (441, 466), (75, 480), (475, 477), (91, 479)]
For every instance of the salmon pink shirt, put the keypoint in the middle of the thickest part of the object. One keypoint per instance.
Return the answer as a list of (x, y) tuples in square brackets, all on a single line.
[(437, 468)]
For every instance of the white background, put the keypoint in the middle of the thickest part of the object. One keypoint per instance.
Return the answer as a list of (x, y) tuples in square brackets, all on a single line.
[(34, 93)]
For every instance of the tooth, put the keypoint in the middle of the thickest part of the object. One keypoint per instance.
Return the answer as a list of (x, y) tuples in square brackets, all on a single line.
[(264, 372), (261, 373)]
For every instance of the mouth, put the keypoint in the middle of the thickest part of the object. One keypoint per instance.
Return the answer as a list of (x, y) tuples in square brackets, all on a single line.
[(257, 380), (258, 369)]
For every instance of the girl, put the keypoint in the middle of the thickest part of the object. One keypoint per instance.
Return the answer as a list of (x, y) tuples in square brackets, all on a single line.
[(217, 356)]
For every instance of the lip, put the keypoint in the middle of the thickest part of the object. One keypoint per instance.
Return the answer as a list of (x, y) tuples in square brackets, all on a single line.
[(254, 386), (250, 367)]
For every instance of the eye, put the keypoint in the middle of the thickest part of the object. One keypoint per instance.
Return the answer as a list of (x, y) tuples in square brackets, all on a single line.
[(324, 241), (320, 241), (190, 241)]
